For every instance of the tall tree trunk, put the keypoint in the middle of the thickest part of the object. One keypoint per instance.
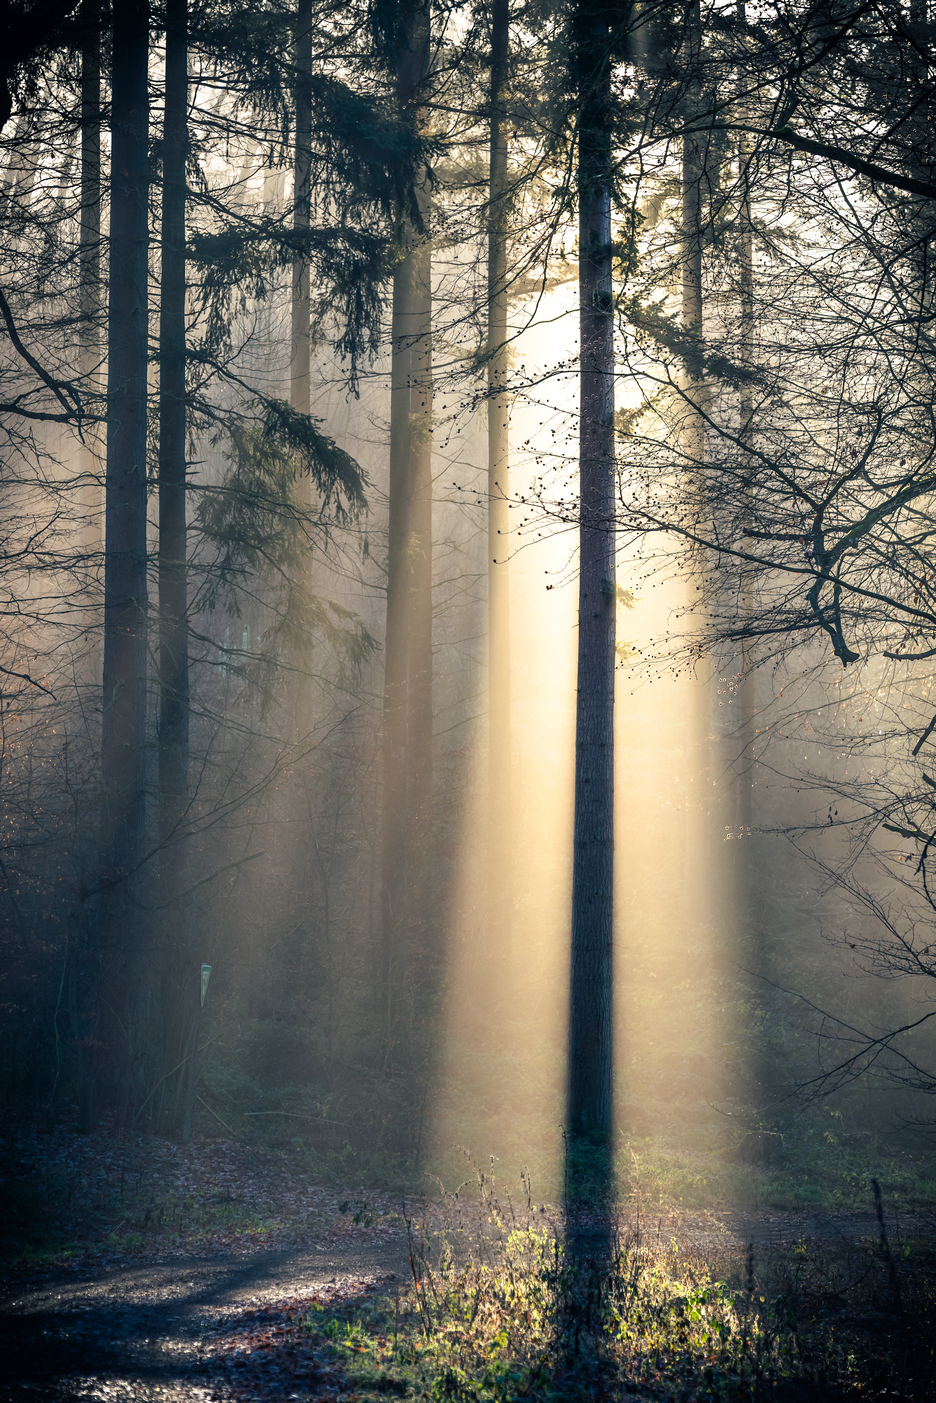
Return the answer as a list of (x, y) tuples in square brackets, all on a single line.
[(744, 789), (122, 982), (302, 197), (299, 356), (89, 270), (179, 976), (589, 1107), (393, 885), (407, 732), (420, 720), (698, 884), (500, 846), (82, 977), (692, 236)]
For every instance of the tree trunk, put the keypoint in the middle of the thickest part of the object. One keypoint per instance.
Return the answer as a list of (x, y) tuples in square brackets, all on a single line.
[(500, 847), (744, 789), (692, 236), (393, 887), (89, 273), (302, 199), (407, 731), (700, 861), (589, 1108), (122, 946), (420, 719), (301, 699), (83, 974), (178, 966)]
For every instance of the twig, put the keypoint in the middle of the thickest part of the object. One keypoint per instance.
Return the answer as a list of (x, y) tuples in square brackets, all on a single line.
[(216, 1116), (924, 737), (298, 1115), (885, 1245), (56, 386)]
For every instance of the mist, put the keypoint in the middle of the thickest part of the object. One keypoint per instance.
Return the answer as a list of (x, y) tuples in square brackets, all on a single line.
[(297, 418)]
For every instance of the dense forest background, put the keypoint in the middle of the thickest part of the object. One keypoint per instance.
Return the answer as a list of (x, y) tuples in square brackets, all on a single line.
[(294, 400)]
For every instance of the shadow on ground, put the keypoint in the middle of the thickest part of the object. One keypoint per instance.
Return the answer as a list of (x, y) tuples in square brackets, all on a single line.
[(165, 1331)]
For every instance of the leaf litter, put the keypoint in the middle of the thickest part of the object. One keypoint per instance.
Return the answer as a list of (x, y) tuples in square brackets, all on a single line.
[(96, 1200)]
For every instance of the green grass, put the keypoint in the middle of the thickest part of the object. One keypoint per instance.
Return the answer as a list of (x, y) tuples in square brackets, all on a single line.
[(821, 1171), (531, 1326)]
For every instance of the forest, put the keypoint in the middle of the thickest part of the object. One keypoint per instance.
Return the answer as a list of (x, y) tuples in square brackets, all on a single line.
[(467, 693)]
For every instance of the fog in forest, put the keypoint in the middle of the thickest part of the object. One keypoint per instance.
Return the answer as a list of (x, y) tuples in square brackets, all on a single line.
[(378, 383)]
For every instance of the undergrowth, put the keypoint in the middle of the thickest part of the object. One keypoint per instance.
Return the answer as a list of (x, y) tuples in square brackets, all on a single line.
[(513, 1317), (541, 1328), (823, 1171)]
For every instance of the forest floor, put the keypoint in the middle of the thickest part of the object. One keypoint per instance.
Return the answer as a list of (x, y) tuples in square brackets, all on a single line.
[(141, 1269)]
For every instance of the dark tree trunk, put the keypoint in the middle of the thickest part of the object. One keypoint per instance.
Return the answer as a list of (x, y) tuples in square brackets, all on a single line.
[(178, 966), (693, 168), (122, 945), (702, 865), (89, 269), (500, 846), (302, 194), (89, 304), (396, 650), (589, 1108), (743, 781), (407, 735), (302, 699), (420, 720)]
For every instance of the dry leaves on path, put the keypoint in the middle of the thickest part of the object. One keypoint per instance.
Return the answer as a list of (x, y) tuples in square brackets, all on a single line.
[(97, 1200)]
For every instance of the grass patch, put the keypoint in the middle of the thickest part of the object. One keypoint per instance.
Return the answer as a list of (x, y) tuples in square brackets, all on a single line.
[(805, 1323), (819, 1171)]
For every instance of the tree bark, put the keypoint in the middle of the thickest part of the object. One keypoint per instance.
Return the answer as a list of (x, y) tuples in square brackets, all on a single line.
[(700, 862), (178, 967), (744, 788), (124, 682), (589, 1105), (302, 207), (89, 273), (420, 719), (407, 729), (393, 887), (500, 846), (302, 702), (83, 973)]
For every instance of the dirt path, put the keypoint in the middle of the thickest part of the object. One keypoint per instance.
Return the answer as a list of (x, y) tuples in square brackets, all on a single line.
[(166, 1331)]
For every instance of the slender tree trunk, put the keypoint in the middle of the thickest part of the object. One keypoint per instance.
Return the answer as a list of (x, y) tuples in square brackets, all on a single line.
[(744, 789), (89, 270), (82, 975), (589, 1108), (698, 883), (420, 719), (122, 944), (692, 236), (302, 199), (303, 718), (407, 729), (500, 846), (393, 886), (178, 966)]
